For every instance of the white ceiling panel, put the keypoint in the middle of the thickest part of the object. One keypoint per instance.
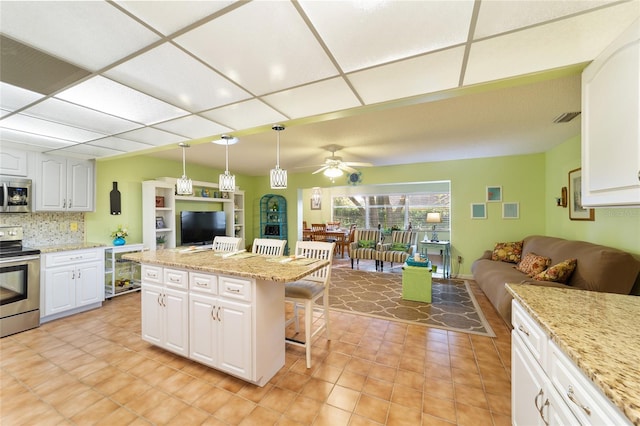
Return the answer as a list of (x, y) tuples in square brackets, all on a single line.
[(499, 16), (31, 139), (571, 41), (168, 73), (245, 115), (87, 151), (119, 144), (262, 46), (424, 74), (63, 112), (152, 136), (170, 16), (102, 94), (13, 98), (90, 34), (192, 127), (312, 99), (366, 33), (51, 129)]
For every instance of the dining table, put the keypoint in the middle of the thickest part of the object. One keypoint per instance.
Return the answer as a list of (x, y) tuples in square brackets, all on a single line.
[(339, 236)]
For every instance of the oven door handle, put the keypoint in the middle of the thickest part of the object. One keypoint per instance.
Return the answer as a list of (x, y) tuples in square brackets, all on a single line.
[(5, 197), (19, 259)]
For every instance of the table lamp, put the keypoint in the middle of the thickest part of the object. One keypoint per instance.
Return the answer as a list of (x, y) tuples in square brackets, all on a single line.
[(434, 218)]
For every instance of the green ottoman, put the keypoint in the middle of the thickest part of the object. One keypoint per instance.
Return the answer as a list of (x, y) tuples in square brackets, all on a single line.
[(416, 283)]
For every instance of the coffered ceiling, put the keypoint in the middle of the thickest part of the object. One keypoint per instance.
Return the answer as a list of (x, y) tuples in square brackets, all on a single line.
[(391, 82)]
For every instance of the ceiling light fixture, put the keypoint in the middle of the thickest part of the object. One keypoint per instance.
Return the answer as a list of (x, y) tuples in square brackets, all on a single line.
[(278, 175), (333, 172), (227, 181), (184, 185)]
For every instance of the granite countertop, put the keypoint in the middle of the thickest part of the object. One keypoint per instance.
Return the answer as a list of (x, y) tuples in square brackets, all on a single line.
[(53, 248), (598, 331), (243, 264)]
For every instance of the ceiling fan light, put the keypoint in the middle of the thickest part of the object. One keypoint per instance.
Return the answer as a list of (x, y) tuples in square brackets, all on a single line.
[(333, 172)]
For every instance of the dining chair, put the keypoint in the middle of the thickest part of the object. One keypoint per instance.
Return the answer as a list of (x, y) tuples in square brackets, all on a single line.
[(347, 240), (268, 246), (319, 232), (226, 244), (306, 292)]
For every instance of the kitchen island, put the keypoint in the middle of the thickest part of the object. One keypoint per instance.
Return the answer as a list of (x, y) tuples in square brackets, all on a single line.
[(586, 346), (224, 311)]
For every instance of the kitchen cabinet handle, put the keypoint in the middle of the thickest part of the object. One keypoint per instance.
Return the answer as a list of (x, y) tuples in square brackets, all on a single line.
[(535, 400), (69, 202), (522, 329), (213, 315), (546, 404), (218, 314), (159, 302), (233, 290), (79, 274), (573, 399), (64, 203)]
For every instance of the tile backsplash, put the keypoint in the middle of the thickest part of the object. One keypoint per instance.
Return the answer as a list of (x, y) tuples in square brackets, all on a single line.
[(41, 229)]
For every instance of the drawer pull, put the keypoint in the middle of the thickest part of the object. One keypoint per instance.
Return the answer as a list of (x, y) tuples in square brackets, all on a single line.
[(523, 330), (233, 290), (152, 274), (174, 279), (573, 399), (201, 283)]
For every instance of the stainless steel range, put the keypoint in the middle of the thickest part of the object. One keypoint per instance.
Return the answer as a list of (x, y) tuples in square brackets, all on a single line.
[(19, 283)]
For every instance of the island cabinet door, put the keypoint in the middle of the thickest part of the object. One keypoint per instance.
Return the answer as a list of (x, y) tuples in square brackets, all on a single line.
[(203, 329), (152, 313), (235, 350), (176, 321)]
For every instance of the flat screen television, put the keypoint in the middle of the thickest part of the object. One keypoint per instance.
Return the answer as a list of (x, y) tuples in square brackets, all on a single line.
[(199, 228)]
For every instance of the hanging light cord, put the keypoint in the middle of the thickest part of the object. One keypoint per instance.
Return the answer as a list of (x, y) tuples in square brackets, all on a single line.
[(278, 151), (226, 147), (184, 167)]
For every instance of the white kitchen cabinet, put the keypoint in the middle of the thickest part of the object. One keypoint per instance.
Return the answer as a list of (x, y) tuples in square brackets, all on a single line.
[(547, 387), (165, 309), (64, 184), (610, 130), (14, 162), (72, 282)]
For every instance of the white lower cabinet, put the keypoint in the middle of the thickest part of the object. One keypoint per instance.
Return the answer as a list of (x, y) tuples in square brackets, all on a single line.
[(547, 387), (228, 323), (72, 282)]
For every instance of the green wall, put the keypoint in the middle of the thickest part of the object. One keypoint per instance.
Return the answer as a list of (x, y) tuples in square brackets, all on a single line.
[(532, 180)]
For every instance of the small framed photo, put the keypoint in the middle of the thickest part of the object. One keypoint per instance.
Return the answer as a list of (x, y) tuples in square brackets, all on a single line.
[(511, 210), (576, 210), (159, 201), (316, 203), (160, 222), (478, 210), (494, 194)]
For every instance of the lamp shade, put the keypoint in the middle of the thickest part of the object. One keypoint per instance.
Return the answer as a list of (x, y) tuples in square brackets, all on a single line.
[(434, 218), (333, 172)]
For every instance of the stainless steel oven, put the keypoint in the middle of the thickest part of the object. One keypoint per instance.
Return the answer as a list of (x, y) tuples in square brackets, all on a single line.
[(19, 283), (15, 195)]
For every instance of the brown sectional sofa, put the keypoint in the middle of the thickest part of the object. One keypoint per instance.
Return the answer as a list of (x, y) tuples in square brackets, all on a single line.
[(599, 268)]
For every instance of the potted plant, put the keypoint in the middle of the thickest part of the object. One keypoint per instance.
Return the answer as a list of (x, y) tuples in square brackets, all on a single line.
[(160, 240)]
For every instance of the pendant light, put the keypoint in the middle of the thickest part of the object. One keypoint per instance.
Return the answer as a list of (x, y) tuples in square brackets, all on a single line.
[(278, 175), (227, 181), (184, 185)]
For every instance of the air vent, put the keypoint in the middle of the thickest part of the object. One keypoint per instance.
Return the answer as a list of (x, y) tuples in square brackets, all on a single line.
[(566, 117)]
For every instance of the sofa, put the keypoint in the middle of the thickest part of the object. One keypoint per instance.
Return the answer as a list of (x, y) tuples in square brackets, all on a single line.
[(596, 268)]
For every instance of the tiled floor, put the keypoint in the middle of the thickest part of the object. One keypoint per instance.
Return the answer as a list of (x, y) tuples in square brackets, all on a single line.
[(93, 368)]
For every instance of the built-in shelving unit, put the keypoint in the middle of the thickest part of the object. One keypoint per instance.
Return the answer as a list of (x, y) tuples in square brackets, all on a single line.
[(206, 192), (121, 276), (273, 217)]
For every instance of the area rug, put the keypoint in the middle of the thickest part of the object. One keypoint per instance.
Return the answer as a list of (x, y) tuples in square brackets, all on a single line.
[(379, 294)]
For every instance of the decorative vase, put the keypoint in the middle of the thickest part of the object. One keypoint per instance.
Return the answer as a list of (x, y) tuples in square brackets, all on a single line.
[(119, 241)]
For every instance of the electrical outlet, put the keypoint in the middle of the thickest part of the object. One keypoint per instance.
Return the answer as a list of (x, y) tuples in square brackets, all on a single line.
[(459, 259), (73, 227)]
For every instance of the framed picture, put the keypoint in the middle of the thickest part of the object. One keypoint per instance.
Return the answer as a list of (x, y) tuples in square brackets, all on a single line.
[(511, 210), (160, 222), (159, 201), (576, 210), (316, 203), (494, 193), (478, 210)]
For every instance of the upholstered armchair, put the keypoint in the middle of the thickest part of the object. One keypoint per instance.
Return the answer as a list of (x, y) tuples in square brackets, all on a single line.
[(400, 247), (364, 245)]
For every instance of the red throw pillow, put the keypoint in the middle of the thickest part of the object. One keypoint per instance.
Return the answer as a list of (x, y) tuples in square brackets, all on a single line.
[(532, 264), (558, 273)]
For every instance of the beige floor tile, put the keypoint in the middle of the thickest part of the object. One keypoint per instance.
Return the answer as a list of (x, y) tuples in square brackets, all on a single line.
[(372, 408)]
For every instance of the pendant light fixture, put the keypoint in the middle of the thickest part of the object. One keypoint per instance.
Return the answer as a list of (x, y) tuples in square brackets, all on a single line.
[(184, 185), (278, 175), (227, 181)]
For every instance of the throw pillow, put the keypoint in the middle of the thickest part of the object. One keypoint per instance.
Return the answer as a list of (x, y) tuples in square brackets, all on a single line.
[(558, 273), (399, 247), (365, 244), (532, 264), (507, 252)]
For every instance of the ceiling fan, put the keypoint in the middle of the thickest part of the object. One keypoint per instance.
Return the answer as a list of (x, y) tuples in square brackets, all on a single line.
[(334, 166)]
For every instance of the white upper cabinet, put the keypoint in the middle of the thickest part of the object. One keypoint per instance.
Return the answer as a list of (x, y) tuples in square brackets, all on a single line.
[(64, 184), (14, 162), (611, 124)]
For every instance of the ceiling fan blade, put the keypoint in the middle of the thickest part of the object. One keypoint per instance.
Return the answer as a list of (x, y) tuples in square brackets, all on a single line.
[(357, 164), (321, 169), (347, 169)]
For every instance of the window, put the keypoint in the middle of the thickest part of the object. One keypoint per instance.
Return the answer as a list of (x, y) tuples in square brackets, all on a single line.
[(392, 211)]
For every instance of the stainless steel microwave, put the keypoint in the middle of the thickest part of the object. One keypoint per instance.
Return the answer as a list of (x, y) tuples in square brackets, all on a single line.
[(15, 195)]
